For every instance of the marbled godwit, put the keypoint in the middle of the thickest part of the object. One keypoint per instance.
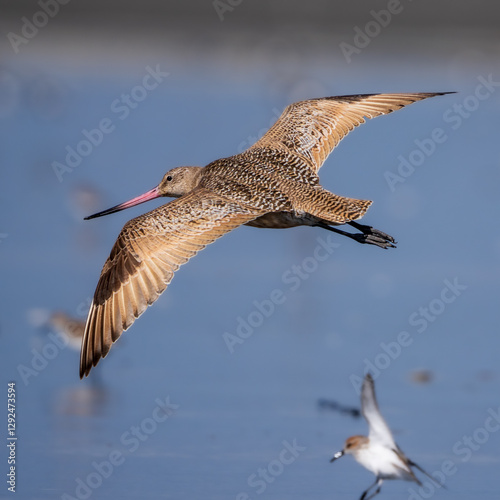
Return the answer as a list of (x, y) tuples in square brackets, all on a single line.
[(378, 452), (273, 184)]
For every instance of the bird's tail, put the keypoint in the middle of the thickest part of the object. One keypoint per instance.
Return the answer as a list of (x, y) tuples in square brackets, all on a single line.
[(413, 464), (329, 206)]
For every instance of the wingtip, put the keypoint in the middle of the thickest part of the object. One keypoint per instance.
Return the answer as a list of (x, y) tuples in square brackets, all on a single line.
[(434, 94), (83, 372), (442, 93), (368, 386), (431, 94), (85, 360), (89, 362), (84, 369), (426, 95)]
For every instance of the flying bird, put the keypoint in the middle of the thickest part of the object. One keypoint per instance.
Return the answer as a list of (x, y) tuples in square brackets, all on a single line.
[(273, 184), (378, 452)]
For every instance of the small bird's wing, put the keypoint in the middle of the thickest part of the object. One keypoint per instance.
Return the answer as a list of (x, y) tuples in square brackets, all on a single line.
[(311, 129), (379, 431), (144, 259), (404, 466)]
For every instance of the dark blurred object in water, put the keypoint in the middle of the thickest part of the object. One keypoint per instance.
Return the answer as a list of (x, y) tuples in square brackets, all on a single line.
[(421, 376), (487, 375), (329, 404)]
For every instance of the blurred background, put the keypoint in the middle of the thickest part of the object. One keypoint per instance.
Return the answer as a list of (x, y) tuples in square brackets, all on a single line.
[(98, 101)]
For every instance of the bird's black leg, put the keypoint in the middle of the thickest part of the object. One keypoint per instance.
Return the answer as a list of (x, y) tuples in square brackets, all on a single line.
[(378, 482), (368, 235)]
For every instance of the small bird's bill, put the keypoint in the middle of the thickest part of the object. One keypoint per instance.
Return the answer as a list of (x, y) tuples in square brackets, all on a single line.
[(150, 195), (337, 455)]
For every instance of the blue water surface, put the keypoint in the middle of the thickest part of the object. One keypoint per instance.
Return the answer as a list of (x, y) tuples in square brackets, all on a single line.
[(178, 411)]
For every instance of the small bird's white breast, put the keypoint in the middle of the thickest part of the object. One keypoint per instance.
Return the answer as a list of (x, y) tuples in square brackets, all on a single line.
[(382, 461)]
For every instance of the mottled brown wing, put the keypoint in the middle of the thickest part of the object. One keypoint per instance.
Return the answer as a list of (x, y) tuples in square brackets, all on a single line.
[(144, 259), (311, 129)]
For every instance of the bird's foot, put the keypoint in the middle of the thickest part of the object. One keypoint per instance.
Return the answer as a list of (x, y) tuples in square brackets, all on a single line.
[(368, 235), (371, 231), (375, 239)]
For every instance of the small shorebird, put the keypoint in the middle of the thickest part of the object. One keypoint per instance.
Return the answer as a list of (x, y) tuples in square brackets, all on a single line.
[(273, 184), (70, 328), (378, 452)]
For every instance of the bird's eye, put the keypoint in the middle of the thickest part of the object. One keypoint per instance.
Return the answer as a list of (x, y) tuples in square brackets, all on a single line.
[(169, 178)]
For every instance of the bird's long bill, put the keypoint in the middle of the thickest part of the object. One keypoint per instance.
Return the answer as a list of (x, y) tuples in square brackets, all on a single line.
[(337, 455), (150, 195)]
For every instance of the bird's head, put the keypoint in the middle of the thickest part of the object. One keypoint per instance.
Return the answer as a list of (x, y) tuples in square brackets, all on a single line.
[(352, 446), (179, 181), (175, 183)]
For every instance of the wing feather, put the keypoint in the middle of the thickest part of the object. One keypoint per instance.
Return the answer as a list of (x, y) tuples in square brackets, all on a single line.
[(144, 259), (379, 430), (312, 129)]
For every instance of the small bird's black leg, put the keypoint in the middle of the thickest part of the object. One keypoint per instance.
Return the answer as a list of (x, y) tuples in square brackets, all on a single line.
[(368, 235), (378, 482)]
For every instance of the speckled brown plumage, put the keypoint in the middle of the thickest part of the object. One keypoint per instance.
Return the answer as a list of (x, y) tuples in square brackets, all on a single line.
[(273, 184)]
